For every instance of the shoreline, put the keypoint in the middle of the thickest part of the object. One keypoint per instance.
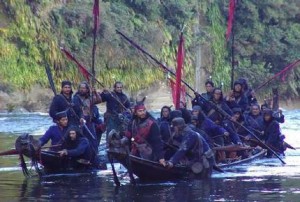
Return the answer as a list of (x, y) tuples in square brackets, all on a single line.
[(39, 100)]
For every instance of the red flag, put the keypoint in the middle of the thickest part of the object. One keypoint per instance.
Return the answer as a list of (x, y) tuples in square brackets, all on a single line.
[(96, 13), (173, 91), (81, 68), (283, 72), (180, 60), (231, 9)]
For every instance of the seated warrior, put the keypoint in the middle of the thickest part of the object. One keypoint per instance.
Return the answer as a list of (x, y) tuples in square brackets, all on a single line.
[(77, 146), (193, 150), (56, 132), (144, 136)]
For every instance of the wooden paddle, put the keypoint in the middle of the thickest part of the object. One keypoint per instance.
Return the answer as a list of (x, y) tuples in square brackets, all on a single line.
[(232, 148), (9, 152)]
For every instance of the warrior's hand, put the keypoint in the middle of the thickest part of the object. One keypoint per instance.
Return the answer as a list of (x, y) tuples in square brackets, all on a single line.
[(169, 164), (63, 153), (82, 121), (162, 162)]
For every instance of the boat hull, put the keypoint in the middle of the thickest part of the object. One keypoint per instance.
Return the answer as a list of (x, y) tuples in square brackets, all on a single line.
[(147, 170)]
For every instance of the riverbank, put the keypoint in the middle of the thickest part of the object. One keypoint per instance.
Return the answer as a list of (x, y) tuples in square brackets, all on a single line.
[(39, 99)]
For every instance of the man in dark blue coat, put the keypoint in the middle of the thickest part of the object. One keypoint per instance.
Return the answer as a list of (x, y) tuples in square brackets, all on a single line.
[(272, 134), (116, 103), (77, 147), (56, 132), (164, 114), (209, 86), (63, 102), (193, 149), (237, 98), (254, 121)]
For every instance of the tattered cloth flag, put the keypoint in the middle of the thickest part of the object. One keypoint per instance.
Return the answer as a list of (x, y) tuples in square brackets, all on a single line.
[(179, 70), (96, 13), (282, 73), (232, 4), (182, 92), (81, 68)]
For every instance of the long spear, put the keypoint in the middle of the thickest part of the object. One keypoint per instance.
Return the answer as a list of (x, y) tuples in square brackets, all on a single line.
[(218, 109), (96, 12)]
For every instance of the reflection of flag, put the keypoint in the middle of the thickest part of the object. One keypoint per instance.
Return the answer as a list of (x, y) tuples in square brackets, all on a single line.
[(180, 61), (81, 68), (230, 20)]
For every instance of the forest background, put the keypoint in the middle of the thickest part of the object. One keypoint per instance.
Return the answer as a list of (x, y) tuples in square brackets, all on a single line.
[(266, 39)]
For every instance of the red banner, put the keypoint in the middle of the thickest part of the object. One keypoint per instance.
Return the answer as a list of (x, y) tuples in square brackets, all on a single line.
[(81, 68), (230, 19)]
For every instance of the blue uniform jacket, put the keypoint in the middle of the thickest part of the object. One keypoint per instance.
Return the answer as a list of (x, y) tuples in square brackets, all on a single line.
[(81, 149), (55, 134), (190, 144), (112, 105)]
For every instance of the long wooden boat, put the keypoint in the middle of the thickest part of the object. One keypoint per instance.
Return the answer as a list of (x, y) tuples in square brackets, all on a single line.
[(260, 154), (147, 170), (50, 162)]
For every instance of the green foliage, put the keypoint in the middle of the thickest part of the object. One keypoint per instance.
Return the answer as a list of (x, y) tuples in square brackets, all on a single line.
[(31, 32)]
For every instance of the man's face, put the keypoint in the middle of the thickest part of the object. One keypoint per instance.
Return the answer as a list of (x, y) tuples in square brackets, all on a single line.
[(73, 135), (267, 117), (118, 88), (236, 116), (255, 110), (63, 122), (195, 112), (217, 94), (83, 90), (141, 113), (66, 89), (209, 88), (238, 87), (176, 129), (165, 112)]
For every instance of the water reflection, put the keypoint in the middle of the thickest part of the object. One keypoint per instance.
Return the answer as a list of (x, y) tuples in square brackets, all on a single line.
[(263, 180)]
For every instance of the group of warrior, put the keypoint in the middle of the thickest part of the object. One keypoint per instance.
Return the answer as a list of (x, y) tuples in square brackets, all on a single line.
[(177, 137)]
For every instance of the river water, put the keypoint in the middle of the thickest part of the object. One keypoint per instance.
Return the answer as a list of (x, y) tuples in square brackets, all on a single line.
[(262, 180)]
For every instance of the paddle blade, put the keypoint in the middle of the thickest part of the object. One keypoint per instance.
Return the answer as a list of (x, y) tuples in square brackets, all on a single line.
[(232, 148)]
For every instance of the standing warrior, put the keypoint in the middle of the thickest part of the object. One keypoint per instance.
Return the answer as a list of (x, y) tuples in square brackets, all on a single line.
[(63, 102), (144, 135), (87, 105), (116, 103)]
